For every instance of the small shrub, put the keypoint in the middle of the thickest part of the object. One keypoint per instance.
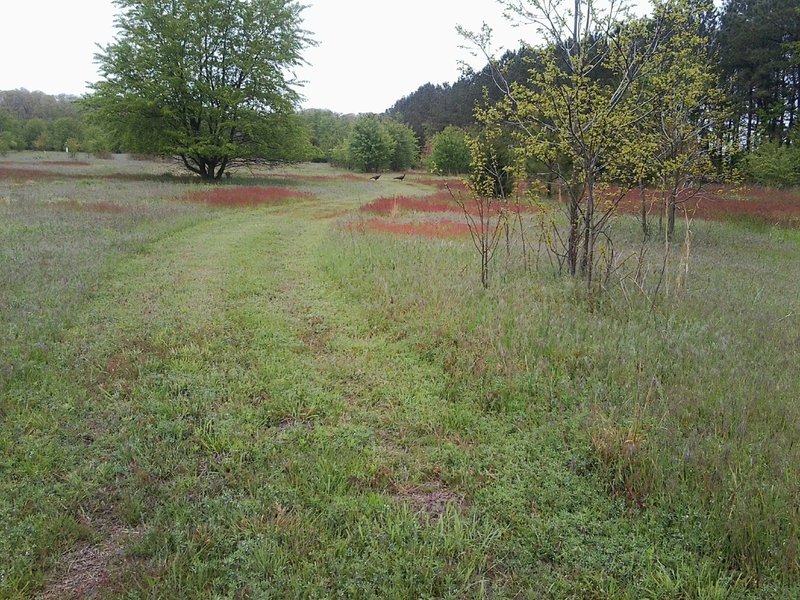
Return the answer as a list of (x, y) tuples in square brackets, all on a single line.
[(774, 164), (450, 153)]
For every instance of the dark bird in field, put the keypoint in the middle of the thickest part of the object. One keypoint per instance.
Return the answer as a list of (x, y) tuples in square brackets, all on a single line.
[(401, 177), (375, 177)]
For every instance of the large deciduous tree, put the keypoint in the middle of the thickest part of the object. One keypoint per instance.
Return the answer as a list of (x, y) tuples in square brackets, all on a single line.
[(370, 146), (406, 148), (328, 130), (208, 81), (9, 132)]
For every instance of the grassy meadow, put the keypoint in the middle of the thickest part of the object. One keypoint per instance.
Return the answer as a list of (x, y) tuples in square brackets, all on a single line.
[(288, 386)]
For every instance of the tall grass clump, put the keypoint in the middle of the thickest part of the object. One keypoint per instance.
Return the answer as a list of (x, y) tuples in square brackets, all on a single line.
[(684, 410)]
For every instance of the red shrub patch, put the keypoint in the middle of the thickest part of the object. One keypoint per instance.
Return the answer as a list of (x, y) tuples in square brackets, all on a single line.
[(444, 228), (65, 163), (453, 184), (721, 202), (17, 173), (433, 203), (439, 202), (245, 196)]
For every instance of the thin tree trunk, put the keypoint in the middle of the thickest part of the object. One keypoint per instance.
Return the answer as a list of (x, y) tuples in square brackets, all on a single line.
[(673, 206), (574, 236), (750, 110), (643, 211), (587, 261)]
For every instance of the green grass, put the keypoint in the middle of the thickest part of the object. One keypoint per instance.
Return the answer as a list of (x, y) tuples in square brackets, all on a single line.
[(261, 403)]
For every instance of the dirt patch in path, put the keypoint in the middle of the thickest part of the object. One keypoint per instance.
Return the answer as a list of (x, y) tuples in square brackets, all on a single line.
[(430, 499), (18, 173), (246, 196), (440, 202), (65, 163), (91, 568)]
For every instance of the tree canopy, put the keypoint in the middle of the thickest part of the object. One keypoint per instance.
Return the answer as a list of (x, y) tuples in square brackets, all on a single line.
[(207, 81), (377, 144), (752, 46), (759, 44), (449, 152), (328, 130)]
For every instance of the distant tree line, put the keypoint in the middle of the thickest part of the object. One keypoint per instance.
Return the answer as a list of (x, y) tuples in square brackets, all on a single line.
[(367, 142), (754, 46), (758, 45), (433, 107), (38, 121), (41, 122)]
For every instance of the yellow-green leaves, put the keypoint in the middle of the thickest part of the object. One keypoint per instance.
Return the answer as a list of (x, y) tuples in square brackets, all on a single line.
[(611, 99)]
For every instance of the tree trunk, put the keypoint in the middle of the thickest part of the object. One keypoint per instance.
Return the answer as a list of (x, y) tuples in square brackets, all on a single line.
[(750, 116), (587, 260), (671, 209), (643, 211), (206, 168), (574, 235), (484, 269), (221, 169)]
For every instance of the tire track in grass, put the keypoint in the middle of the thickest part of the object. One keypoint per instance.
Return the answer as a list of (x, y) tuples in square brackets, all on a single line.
[(388, 391), (238, 405), (169, 353)]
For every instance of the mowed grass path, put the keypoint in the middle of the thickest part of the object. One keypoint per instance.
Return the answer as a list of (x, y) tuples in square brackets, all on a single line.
[(237, 428), (218, 422), (256, 404)]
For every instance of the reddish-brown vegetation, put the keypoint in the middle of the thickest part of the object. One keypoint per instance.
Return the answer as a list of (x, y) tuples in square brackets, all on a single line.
[(720, 202), (433, 203), (20, 173), (444, 228), (245, 196), (440, 202)]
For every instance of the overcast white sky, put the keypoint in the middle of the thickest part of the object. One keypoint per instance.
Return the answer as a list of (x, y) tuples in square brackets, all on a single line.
[(371, 53)]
